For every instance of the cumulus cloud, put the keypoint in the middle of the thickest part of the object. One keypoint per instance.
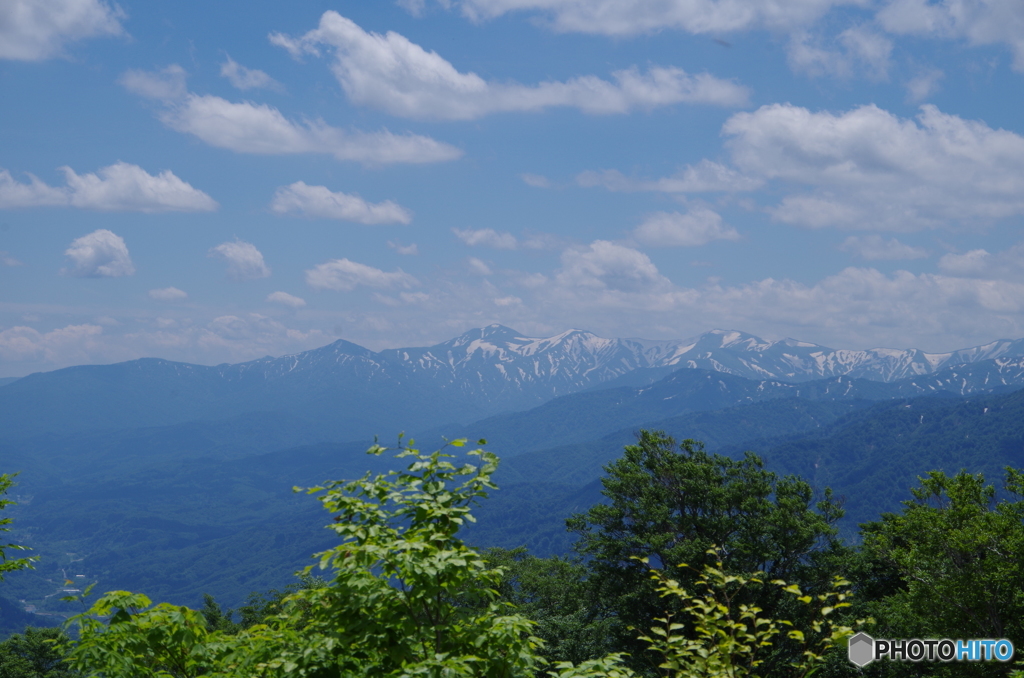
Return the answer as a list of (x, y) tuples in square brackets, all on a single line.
[(319, 202), (398, 76), (120, 187), (865, 307), (286, 299), (344, 275), (247, 78), (979, 22), (705, 176), (168, 294), (486, 237), (618, 293), (869, 169), (606, 265), (697, 227), (31, 30), (100, 254), (247, 127), (1007, 265), (403, 249), (244, 261), (855, 50), (876, 248), (63, 345)]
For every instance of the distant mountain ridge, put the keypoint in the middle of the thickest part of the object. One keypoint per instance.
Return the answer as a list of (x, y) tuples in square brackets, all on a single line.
[(791, 360), (347, 392)]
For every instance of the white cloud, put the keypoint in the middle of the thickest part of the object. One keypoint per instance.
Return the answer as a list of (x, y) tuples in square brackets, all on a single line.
[(535, 180), (478, 267), (605, 265), (979, 22), (61, 345), (398, 76), (1007, 265), (167, 84), (225, 338), (245, 262), (7, 260), (630, 17), (862, 306), (33, 194), (344, 275), (124, 187), (414, 7), (697, 227), (247, 78), (286, 299), (875, 248), (922, 86), (320, 202), (120, 187), (168, 294), (855, 308), (258, 128), (403, 249), (856, 49), (705, 176), (486, 237), (100, 254), (32, 30), (869, 169), (869, 47)]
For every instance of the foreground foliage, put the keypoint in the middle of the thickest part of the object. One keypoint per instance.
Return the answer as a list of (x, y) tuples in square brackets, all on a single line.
[(715, 635), (402, 595), (406, 597), (9, 564)]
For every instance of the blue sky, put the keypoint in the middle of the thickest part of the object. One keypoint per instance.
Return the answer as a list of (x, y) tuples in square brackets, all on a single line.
[(215, 182)]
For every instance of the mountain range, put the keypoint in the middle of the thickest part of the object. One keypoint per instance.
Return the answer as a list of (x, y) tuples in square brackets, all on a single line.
[(344, 391)]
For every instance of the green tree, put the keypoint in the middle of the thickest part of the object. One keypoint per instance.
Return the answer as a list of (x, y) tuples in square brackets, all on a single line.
[(670, 504), (395, 604), (957, 550), (553, 593), (37, 653), (124, 636), (9, 564), (716, 636)]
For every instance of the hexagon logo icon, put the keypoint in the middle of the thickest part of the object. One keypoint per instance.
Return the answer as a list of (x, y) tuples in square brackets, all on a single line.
[(861, 649)]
